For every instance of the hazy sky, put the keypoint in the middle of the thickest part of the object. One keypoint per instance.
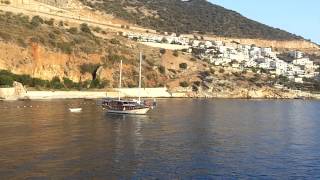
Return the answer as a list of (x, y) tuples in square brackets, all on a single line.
[(301, 17)]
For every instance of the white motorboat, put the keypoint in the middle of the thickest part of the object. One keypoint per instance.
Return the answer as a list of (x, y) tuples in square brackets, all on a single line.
[(75, 110)]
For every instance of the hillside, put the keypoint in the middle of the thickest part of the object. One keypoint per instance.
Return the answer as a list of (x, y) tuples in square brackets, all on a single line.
[(50, 54), (46, 49), (46, 53), (188, 17)]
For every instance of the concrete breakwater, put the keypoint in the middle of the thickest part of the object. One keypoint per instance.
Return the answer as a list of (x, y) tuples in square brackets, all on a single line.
[(12, 94), (125, 92), (38, 95)]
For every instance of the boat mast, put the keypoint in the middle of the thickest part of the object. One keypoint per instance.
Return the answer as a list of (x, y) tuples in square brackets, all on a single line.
[(120, 80), (140, 77)]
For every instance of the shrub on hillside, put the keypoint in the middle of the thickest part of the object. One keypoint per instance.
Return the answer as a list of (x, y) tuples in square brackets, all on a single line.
[(36, 21), (65, 47), (21, 42), (162, 69), (195, 88), (88, 49), (22, 19), (113, 58), (52, 36), (5, 36), (85, 28), (212, 71), (37, 39), (7, 2), (73, 30), (193, 59), (175, 53), (114, 41), (183, 66), (49, 22), (184, 84), (197, 83), (162, 51), (97, 29)]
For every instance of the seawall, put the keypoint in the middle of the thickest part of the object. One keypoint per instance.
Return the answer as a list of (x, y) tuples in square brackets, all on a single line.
[(125, 92), (45, 95)]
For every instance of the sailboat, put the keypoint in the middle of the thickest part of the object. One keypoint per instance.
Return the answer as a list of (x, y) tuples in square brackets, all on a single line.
[(128, 106)]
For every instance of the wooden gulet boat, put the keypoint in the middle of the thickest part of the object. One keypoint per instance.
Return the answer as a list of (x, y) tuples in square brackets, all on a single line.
[(128, 106)]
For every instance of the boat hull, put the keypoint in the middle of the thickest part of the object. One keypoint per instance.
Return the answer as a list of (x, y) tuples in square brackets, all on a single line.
[(141, 111)]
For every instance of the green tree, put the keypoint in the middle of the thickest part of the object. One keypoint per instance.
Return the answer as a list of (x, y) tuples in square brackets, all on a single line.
[(55, 83), (6, 80), (36, 82), (95, 83), (68, 83), (25, 79)]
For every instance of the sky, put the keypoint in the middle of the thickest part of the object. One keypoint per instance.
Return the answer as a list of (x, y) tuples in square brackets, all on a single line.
[(301, 17)]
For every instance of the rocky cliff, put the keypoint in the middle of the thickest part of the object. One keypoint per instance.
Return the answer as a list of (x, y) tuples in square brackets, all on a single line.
[(40, 62)]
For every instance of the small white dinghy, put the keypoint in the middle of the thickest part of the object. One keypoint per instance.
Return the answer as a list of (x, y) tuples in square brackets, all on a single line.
[(75, 110)]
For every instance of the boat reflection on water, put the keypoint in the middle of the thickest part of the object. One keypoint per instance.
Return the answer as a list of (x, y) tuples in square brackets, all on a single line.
[(115, 116)]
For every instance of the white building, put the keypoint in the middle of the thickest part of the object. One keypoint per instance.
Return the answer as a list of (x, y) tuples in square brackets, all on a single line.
[(296, 54), (281, 67), (302, 62)]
